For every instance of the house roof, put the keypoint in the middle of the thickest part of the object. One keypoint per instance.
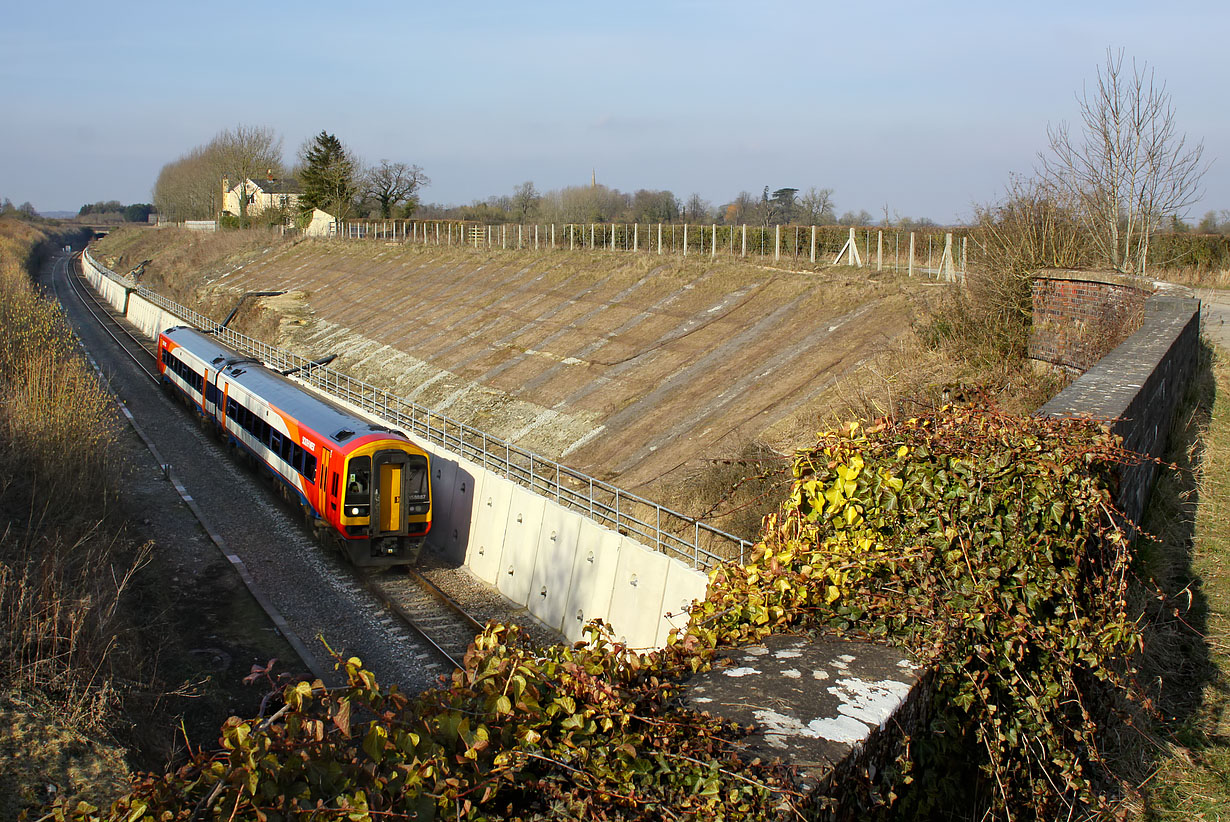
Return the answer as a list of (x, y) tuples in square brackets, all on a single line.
[(288, 185)]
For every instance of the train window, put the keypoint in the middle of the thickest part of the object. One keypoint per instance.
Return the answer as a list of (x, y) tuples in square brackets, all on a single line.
[(358, 485), (231, 407), (417, 478), (309, 467), (275, 443), (296, 458)]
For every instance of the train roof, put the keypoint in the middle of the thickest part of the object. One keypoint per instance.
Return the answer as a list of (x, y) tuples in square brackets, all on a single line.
[(332, 421)]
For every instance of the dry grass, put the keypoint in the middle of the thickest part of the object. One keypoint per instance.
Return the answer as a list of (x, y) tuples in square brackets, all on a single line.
[(63, 570), (1184, 768), (1195, 277)]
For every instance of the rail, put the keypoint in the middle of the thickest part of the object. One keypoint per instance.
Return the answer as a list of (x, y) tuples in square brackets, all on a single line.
[(650, 523)]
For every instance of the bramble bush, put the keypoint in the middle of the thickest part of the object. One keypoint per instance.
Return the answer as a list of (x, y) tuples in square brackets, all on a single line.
[(985, 544)]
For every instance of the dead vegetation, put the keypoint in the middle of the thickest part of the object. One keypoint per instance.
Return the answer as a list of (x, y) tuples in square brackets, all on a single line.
[(64, 569)]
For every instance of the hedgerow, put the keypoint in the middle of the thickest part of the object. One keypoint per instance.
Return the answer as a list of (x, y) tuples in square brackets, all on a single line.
[(985, 544)]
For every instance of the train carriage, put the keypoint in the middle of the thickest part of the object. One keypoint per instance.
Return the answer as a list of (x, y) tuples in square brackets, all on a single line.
[(367, 485)]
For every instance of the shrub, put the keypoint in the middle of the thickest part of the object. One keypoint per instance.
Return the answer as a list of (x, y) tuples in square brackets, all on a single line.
[(982, 543)]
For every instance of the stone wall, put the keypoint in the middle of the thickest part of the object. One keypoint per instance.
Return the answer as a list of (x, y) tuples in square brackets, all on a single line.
[(1078, 316), (1137, 387)]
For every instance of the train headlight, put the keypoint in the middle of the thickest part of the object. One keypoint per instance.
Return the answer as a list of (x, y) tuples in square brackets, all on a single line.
[(354, 512)]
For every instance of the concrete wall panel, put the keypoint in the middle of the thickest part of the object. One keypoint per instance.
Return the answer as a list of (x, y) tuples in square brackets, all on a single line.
[(683, 585), (557, 548), (443, 471), (520, 545), (636, 598), (487, 538), (593, 577), (466, 478)]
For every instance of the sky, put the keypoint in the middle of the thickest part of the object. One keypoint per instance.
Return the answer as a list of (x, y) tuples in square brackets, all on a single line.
[(925, 109)]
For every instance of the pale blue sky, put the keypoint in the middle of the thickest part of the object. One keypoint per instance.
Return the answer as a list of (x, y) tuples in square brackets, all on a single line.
[(924, 106)]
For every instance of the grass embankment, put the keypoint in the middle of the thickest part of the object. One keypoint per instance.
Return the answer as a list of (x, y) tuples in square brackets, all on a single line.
[(63, 569), (873, 366), (1188, 658)]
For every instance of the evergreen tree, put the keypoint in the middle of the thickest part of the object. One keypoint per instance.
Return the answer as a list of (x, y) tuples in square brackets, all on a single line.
[(329, 176)]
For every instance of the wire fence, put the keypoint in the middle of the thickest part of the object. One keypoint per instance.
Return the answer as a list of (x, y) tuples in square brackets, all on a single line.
[(928, 253), (651, 524)]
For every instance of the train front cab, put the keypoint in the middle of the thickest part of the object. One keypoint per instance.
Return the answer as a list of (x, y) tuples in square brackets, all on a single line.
[(386, 507)]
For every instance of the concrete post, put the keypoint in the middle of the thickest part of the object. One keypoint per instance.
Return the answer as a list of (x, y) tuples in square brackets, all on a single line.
[(813, 245), (636, 237), (659, 238), (685, 239), (777, 243), (743, 252), (910, 270), (879, 250), (713, 242)]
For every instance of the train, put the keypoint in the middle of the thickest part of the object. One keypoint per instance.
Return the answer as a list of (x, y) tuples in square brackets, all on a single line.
[(364, 487)]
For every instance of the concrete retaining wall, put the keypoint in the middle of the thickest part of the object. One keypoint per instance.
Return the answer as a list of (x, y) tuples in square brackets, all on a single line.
[(563, 567)]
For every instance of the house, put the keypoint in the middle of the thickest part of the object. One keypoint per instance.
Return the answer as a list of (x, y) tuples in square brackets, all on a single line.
[(261, 195)]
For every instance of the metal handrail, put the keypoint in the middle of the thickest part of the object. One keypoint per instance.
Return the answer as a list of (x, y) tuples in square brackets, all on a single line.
[(665, 529)]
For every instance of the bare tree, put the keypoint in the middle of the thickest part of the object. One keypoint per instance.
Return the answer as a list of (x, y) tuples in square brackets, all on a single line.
[(525, 200), (816, 207), (394, 184), (697, 209), (246, 153), (1129, 167)]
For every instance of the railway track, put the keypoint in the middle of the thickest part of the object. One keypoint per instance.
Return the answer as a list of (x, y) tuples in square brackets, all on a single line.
[(110, 324), (441, 623), (435, 616)]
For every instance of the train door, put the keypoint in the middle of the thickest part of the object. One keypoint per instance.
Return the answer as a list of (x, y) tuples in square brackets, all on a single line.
[(390, 514)]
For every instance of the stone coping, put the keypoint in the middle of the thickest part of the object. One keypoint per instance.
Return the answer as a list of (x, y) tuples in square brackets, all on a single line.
[(815, 702)]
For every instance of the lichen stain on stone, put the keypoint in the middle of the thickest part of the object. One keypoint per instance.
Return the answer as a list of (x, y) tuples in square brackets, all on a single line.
[(789, 653), (778, 728), (740, 671), (870, 702)]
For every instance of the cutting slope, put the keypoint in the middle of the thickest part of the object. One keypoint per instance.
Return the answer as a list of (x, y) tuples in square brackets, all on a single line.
[(629, 367)]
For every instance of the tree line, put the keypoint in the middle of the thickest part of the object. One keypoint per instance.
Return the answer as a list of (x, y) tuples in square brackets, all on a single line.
[(325, 174), (597, 203)]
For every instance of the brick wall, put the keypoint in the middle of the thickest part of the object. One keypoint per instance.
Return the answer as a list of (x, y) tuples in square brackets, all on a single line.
[(1079, 316), (1137, 387)]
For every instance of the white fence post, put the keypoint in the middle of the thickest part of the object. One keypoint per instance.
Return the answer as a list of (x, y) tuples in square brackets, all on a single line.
[(777, 243), (713, 242), (879, 250), (659, 238), (743, 253), (911, 268), (813, 245), (636, 236), (685, 239)]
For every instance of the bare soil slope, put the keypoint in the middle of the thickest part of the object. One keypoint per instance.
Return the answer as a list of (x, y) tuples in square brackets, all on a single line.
[(634, 368)]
